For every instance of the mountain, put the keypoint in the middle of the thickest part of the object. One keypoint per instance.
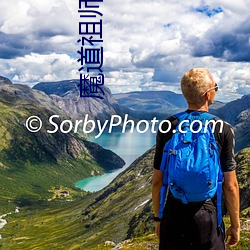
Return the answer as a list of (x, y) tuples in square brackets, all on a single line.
[(242, 130), (232, 110), (149, 104), (32, 163), (34, 166), (216, 105), (4, 80), (138, 105), (122, 210), (237, 114), (67, 97), (151, 100)]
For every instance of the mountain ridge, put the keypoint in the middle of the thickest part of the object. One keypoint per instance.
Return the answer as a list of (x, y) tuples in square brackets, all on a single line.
[(58, 159), (67, 97)]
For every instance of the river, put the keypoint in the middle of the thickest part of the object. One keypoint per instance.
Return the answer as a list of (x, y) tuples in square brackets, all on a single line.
[(128, 146)]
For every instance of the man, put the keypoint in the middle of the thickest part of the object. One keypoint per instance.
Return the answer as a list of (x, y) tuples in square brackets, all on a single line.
[(194, 225)]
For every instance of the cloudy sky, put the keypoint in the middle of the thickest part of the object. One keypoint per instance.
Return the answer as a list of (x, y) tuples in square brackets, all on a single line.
[(148, 44)]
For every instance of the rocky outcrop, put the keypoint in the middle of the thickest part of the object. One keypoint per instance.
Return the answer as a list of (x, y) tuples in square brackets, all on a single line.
[(232, 110), (4, 80), (106, 158), (242, 130), (67, 97), (243, 175)]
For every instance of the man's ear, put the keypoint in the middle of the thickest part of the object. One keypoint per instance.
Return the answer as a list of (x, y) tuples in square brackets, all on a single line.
[(207, 95)]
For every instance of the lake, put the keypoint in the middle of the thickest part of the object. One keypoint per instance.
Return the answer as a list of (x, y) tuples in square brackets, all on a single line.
[(129, 146)]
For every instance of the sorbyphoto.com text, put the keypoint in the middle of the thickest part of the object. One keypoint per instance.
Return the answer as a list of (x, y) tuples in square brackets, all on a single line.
[(87, 126)]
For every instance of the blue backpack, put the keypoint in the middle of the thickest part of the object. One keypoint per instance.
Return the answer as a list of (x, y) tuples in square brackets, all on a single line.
[(191, 162)]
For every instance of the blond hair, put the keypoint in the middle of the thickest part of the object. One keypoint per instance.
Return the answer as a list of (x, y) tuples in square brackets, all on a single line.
[(195, 83)]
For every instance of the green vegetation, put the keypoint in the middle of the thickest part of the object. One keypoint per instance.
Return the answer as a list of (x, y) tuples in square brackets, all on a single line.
[(243, 175), (32, 183), (57, 225), (38, 172), (32, 163), (113, 214), (49, 225), (244, 235), (150, 242), (121, 211), (84, 222)]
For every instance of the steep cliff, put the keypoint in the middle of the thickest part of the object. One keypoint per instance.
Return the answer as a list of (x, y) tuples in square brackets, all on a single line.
[(67, 97)]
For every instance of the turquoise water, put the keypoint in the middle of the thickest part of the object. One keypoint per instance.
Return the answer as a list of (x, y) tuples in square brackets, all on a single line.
[(129, 146)]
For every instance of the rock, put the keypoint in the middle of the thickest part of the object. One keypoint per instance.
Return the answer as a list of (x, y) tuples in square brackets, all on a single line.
[(4, 80), (67, 97), (109, 243), (243, 176)]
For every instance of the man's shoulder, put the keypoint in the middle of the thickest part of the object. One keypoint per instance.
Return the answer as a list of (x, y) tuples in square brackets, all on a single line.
[(173, 121), (227, 127)]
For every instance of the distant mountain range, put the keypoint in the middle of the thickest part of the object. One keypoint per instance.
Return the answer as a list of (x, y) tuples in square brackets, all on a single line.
[(161, 104), (231, 111), (149, 104), (138, 105)]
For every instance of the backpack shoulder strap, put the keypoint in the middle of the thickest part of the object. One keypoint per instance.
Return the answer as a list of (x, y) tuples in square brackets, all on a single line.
[(208, 116), (182, 115)]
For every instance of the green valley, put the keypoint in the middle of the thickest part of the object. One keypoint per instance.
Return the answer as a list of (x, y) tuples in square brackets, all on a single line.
[(32, 163), (38, 172), (120, 213)]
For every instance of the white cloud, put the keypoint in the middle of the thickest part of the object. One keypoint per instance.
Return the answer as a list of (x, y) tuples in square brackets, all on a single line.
[(34, 68), (147, 44), (35, 16)]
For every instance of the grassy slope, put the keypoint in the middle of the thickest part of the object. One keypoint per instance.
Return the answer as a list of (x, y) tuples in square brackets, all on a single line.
[(150, 242), (28, 169), (57, 226), (54, 225), (60, 225)]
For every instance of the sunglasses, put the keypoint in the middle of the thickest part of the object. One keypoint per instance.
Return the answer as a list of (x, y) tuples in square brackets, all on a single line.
[(216, 87)]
